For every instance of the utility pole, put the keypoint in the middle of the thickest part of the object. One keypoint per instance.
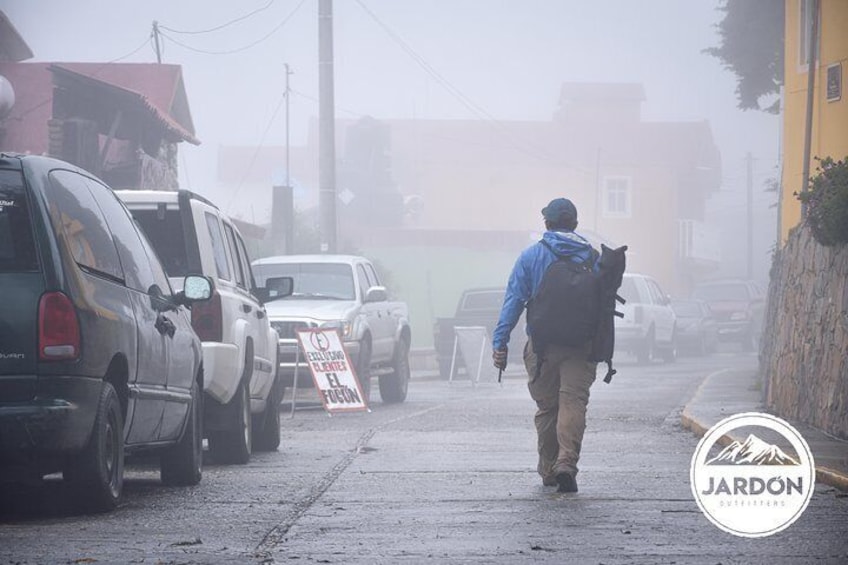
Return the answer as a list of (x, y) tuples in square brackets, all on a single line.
[(749, 162), (811, 87), (288, 96), (282, 200), (288, 229), (156, 42), (326, 137)]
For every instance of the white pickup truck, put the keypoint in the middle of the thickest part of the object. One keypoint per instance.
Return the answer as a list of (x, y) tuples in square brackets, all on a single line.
[(342, 292)]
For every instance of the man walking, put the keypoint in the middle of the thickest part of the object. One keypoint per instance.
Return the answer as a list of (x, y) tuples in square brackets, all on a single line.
[(559, 375)]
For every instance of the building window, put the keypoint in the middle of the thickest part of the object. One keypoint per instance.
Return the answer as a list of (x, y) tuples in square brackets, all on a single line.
[(806, 22), (616, 197)]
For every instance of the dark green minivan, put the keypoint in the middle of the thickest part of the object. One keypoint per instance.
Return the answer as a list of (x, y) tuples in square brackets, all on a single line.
[(97, 354)]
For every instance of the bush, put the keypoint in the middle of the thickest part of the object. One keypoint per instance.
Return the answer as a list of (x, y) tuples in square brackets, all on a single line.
[(826, 202)]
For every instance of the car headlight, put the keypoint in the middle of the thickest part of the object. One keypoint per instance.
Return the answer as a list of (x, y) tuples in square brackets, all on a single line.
[(344, 327), (736, 316)]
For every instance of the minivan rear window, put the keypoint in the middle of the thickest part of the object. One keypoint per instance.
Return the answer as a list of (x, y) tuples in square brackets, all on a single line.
[(17, 246), (164, 231)]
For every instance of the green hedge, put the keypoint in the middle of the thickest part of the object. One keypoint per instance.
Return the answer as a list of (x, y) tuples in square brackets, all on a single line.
[(826, 202)]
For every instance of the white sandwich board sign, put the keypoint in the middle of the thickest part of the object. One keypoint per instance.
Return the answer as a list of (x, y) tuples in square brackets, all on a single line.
[(332, 370)]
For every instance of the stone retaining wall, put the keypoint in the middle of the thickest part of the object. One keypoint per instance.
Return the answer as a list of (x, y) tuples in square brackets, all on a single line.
[(804, 354)]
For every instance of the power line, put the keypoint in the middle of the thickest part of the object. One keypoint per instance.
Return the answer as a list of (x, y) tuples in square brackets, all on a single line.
[(316, 100), (219, 27), (454, 91), (32, 109), (239, 49), (130, 54), (256, 151)]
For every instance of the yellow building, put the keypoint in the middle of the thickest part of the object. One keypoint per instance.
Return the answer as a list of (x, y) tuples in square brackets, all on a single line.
[(830, 106)]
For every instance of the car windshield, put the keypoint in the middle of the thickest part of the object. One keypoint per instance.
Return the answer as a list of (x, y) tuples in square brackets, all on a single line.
[(687, 309), (484, 300), (628, 291), (333, 281), (722, 292)]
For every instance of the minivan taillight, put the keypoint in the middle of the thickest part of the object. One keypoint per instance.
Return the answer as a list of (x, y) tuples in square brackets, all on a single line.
[(58, 328), (207, 318)]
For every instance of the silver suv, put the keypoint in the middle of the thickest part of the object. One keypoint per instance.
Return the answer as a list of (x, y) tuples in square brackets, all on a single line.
[(649, 326), (242, 394)]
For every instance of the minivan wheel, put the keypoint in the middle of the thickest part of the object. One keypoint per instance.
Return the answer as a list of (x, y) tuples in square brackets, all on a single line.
[(235, 445), (96, 474), (394, 386), (182, 464)]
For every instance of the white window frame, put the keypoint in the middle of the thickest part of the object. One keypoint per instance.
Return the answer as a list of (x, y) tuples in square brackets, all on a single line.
[(624, 208)]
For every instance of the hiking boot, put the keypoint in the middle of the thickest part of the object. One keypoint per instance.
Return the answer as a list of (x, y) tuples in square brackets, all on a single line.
[(566, 482), (550, 481)]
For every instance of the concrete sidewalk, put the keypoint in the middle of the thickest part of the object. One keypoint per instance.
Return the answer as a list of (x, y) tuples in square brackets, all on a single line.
[(729, 392)]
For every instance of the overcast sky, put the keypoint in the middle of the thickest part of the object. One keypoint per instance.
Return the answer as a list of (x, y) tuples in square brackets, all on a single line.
[(505, 58)]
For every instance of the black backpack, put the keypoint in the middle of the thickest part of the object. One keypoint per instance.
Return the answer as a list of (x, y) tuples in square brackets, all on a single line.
[(567, 306), (611, 267)]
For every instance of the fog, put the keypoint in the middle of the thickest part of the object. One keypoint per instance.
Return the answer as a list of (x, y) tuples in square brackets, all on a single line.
[(496, 62)]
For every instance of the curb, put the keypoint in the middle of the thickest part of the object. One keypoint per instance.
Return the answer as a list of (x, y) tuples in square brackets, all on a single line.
[(825, 475)]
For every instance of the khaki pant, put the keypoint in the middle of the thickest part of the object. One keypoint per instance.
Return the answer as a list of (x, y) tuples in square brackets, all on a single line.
[(561, 393)]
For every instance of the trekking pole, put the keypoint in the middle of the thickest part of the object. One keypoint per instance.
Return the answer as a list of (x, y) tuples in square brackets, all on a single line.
[(500, 374)]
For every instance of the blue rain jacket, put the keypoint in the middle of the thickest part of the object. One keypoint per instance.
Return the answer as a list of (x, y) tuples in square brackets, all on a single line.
[(527, 274)]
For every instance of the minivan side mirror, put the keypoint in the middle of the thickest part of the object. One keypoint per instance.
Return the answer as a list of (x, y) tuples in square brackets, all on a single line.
[(197, 288), (376, 294), (275, 288)]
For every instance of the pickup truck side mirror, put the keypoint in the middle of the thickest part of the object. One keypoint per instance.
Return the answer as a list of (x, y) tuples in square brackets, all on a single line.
[(275, 288), (376, 294)]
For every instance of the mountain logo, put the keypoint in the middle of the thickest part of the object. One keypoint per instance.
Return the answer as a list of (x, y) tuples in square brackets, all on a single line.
[(753, 451), (752, 487)]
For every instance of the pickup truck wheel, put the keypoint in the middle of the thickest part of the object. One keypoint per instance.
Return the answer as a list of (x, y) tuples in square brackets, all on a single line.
[(266, 435), (96, 475), (234, 446), (182, 464), (444, 369), (363, 369), (645, 353), (669, 354), (394, 386)]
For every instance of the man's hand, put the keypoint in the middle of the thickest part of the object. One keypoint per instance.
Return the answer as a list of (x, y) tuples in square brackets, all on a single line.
[(499, 358)]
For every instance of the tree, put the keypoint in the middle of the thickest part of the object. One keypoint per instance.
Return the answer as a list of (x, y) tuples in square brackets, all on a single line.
[(752, 47)]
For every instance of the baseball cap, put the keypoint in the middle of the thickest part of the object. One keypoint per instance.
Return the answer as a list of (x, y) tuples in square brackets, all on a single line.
[(559, 207)]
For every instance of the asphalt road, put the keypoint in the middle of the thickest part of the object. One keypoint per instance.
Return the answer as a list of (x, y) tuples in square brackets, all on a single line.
[(447, 477)]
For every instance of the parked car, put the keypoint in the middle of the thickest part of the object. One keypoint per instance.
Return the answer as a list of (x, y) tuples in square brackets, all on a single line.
[(649, 326), (475, 307), (191, 234), (97, 353), (342, 292), (738, 306), (697, 331)]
